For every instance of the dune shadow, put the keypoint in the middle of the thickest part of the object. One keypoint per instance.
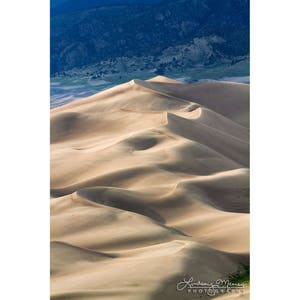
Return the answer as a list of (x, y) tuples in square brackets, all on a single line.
[(201, 264), (119, 198)]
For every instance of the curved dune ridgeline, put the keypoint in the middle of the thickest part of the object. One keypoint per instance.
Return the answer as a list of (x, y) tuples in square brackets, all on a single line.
[(149, 184)]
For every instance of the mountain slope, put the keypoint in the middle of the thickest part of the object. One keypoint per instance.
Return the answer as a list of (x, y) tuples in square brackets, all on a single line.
[(178, 32), (69, 6)]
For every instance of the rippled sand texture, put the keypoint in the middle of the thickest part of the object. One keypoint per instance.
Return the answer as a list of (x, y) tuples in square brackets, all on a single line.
[(149, 184)]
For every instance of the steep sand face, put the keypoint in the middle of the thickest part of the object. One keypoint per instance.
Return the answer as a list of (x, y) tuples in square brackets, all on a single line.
[(149, 184)]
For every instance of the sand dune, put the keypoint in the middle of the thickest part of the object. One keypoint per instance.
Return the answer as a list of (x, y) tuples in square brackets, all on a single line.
[(149, 184)]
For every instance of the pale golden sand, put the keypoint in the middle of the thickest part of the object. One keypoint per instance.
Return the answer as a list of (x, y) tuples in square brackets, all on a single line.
[(149, 184)]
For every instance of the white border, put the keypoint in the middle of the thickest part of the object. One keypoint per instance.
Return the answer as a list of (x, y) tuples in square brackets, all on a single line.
[(275, 151), (24, 207), (275, 114)]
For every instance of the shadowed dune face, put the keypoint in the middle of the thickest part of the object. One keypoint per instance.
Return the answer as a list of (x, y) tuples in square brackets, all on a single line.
[(149, 184)]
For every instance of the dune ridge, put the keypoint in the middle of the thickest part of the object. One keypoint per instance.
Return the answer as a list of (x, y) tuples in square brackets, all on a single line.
[(149, 184)]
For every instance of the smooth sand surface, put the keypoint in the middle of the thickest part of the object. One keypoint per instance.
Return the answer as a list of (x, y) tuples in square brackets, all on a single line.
[(149, 185)]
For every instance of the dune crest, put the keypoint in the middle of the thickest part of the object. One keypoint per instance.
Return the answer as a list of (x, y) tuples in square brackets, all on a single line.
[(149, 183)]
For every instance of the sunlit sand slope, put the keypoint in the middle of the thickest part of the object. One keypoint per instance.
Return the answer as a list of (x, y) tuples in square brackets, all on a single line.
[(149, 185)]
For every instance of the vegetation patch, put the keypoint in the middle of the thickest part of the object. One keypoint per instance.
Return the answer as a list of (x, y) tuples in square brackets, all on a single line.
[(242, 275)]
